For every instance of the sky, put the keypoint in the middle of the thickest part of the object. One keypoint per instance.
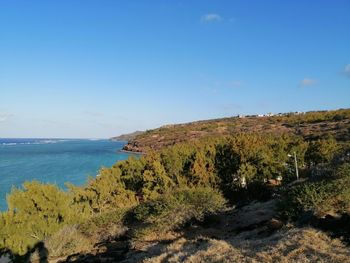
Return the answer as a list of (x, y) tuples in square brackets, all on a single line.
[(96, 69)]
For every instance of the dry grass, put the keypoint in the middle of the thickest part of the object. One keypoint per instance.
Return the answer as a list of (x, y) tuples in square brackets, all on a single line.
[(67, 241), (293, 245)]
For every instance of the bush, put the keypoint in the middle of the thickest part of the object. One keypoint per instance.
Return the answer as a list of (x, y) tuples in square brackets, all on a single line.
[(67, 241), (174, 210), (331, 195), (321, 151), (77, 238), (304, 197), (104, 226), (343, 171), (36, 212), (175, 185)]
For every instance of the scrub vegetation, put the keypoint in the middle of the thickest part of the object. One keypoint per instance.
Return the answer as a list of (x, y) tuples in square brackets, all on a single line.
[(191, 183)]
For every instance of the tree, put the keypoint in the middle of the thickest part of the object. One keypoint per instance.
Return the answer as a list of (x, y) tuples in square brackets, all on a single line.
[(321, 151), (35, 212)]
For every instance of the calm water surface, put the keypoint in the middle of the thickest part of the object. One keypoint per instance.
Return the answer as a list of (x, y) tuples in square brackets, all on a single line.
[(53, 161)]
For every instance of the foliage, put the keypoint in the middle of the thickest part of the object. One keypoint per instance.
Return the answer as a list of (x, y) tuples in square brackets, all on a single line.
[(103, 193), (104, 226), (321, 151), (35, 213), (67, 241), (304, 197), (77, 238), (173, 210), (254, 158), (168, 188), (309, 125), (328, 195)]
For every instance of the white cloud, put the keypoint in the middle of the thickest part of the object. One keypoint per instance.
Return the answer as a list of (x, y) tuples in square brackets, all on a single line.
[(347, 70), (4, 116), (211, 18), (308, 82)]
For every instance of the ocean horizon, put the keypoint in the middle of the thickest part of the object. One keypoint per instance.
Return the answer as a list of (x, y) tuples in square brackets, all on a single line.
[(54, 160)]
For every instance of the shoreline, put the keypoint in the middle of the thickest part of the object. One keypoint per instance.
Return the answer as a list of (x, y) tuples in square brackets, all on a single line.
[(126, 151)]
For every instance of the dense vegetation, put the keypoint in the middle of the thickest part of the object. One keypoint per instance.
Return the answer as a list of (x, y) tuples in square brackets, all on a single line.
[(328, 194), (166, 189), (310, 125)]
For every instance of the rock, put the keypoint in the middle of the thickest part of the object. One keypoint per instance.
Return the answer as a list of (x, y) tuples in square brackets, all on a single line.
[(275, 224)]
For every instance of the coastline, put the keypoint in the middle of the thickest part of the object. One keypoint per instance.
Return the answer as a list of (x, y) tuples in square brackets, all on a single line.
[(126, 151), (70, 161)]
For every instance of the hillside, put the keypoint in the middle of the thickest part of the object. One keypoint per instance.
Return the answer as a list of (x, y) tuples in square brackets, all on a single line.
[(127, 137), (310, 125), (214, 199)]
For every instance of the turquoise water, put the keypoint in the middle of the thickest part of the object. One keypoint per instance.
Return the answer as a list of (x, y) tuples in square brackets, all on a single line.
[(53, 161)]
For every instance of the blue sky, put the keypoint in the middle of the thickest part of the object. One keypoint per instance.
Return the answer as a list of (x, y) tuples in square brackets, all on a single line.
[(101, 68)]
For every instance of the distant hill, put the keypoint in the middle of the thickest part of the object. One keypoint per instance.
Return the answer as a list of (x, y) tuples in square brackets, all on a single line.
[(311, 125), (127, 137)]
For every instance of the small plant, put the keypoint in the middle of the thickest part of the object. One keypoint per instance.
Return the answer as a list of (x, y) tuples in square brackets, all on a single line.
[(173, 210), (330, 195), (67, 241), (304, 197), (104, 226)]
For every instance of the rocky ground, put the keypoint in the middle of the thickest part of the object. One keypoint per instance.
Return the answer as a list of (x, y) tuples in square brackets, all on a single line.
[(252, 233)]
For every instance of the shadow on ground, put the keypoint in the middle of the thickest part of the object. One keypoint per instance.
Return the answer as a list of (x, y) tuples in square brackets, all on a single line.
[(37, 253)]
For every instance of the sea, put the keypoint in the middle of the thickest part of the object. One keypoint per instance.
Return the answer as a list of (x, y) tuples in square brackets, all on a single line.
[(54, 161)]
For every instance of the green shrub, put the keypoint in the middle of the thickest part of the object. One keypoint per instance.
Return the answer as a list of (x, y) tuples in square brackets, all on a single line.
[(173, 210), (35, 212), (104, 226), (175, 186), (331, 195), (304, 197), (321, 151), (343, 171)]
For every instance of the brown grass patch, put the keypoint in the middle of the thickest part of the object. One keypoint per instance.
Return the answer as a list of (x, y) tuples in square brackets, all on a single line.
[(293, 245)]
